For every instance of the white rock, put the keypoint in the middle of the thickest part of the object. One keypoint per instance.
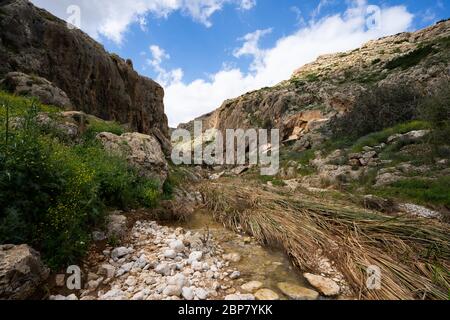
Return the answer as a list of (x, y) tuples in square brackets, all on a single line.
[(107, 270), (233, 257), (187, 293), (325, 285), (170, 254), (163, 268), (195, 256), (119, 252), (251, 286), (139, 296), (177, 245), (197, 266), (131, 281), (172, 290), (235, 275), (247, 297), (201, 293)]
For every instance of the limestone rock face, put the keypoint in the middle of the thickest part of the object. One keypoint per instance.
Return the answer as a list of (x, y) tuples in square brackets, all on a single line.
[(22, 84), (142, 151), (21, 272), (95, 81), (325, 89)]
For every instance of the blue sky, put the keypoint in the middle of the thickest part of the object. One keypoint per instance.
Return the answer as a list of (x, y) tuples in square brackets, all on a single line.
[(205, 51)]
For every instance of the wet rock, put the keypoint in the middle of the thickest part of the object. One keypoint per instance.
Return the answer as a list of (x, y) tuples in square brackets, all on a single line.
[(21, 272), (232, 257), (326, 286), (237, 297), (266, 294), (296, 292), (251, 286)]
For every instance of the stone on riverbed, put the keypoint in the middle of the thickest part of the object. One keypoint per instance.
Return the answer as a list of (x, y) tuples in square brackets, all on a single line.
[(296, 292), (251, 286), (242, 297), (232, 257), (266, 294), (326, 286)]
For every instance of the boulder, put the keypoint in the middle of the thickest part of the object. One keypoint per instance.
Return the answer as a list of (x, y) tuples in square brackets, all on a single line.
[(326, 286), (377, 203), (266, 295), (33, 86), (412, 136), (251, 286), (21, 272), (117, 226), (296, 292), (141, 151)]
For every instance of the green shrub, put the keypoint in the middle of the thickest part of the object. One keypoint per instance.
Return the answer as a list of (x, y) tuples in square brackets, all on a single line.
[(436, 109), (410, 59), (97, 126), (377, 109), (376, 138), (421, 191), (149, 194), (52, 195)]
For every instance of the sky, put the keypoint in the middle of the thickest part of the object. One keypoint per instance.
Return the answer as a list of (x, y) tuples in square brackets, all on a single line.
[(206, 51)]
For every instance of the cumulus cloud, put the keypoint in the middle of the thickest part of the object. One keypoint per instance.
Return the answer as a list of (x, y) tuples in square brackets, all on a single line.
[(111, 19), (339, 32), (165, 77), (251, 47)]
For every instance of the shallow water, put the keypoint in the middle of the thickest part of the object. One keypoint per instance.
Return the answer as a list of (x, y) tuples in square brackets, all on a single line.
[(267, 265)]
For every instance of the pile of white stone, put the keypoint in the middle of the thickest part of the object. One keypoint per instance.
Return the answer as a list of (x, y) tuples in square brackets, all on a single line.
[(161, 263)]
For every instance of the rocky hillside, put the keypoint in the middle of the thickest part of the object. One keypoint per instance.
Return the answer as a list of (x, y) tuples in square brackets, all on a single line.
[(330, 86), (36, 43)]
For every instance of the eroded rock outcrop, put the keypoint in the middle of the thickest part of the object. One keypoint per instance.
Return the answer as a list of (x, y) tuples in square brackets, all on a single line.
[(21, 272), (142, 151), (33, 86), (330, 86), (95, 81)]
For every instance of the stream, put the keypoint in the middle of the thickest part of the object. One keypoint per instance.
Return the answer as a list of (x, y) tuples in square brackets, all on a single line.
[(269, 266)]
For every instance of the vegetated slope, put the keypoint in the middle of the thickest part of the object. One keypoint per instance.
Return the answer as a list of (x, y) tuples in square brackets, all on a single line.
[(333, 84), (35, 42)]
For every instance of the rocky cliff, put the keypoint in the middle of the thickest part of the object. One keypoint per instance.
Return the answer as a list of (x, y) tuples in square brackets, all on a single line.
[(34, 42), (329, 86)]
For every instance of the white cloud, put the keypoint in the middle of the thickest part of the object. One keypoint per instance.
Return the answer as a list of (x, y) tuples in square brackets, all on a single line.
[(340, 32), (251, 47), (111, 19), (247, 4), (164, 77)]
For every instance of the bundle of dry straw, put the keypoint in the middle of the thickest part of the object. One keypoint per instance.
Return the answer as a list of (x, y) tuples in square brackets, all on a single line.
[(412, 253)]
